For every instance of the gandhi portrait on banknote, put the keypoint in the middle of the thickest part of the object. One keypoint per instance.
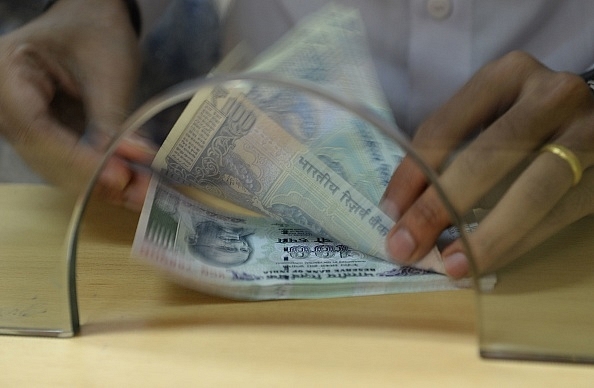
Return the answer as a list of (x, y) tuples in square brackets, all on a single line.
[(220, 245)]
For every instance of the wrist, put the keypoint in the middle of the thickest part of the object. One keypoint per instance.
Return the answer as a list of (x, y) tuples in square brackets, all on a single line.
[(131, 7)]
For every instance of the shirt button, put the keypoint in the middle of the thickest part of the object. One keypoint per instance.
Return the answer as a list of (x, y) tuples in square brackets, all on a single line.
[(439, 9)]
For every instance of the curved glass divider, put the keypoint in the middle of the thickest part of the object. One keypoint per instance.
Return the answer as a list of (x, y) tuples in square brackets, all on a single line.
[(542, 308), (285, 96), (36, 287)]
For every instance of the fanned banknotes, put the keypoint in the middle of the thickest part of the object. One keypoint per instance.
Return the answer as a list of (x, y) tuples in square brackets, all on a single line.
[(312, 171), (241, 255)]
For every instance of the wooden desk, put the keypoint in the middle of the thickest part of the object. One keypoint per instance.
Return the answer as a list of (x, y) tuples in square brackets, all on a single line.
[(139, 329)]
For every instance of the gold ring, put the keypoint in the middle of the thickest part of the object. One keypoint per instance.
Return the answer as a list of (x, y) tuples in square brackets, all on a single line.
[(567, 155)]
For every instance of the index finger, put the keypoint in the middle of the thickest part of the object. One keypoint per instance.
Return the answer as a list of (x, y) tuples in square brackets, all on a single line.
[(475, 105)]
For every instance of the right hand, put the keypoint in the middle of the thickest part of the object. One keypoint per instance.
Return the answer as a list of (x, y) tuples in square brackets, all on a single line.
[(74, 69), (521, 106)]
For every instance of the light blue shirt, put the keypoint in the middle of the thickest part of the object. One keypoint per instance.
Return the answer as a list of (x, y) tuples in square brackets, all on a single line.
[(424, 50)]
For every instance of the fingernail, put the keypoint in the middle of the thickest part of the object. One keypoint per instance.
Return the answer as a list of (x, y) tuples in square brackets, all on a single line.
[(389, 208), (134, 198), (142, 144), (114, 179), (456, 265), (401, 246)]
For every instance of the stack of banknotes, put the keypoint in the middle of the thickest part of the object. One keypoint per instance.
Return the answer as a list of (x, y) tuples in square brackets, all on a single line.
[(266, 191)]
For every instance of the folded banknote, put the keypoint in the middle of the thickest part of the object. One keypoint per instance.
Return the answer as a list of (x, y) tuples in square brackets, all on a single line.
[(308, 172), (217, 248)]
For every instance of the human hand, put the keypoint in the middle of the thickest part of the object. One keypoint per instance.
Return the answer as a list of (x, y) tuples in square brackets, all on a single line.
[(73, 70), (521, 105)]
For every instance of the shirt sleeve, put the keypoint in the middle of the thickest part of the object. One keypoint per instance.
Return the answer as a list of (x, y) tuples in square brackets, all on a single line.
[(150, 10)]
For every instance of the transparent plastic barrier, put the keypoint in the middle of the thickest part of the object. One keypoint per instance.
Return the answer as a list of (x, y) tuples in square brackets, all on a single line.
[(37, 278), (320, 143), (540, 309)]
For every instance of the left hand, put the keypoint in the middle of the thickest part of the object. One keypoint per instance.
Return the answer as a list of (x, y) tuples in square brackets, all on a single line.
[(71, 72), (521, 105)]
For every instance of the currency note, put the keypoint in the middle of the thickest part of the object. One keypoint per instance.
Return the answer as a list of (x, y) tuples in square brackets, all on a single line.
[(242, 255), (330, 49), (291, 156)]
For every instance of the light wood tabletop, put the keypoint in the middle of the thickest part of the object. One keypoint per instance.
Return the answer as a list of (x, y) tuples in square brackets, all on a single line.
[(140, 329)]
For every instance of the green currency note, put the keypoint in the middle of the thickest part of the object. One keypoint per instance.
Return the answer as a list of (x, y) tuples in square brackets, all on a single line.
[(251, 257)]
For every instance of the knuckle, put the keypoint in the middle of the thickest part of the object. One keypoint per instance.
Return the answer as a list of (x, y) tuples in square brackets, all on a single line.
[(515, 62), (570, 83), (565, 89), (561, 98), (518, 59), (553, 89)]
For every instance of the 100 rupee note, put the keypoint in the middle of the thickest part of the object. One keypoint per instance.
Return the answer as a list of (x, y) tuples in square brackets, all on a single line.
[(266, 191), (207, 245), (289, 155)]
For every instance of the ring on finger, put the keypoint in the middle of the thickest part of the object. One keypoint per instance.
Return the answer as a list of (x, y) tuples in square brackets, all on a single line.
[(568, 156)]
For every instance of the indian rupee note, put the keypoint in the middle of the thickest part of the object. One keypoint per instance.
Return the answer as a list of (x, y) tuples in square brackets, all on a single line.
[(290, 156), (240, 255), (329, 49)]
